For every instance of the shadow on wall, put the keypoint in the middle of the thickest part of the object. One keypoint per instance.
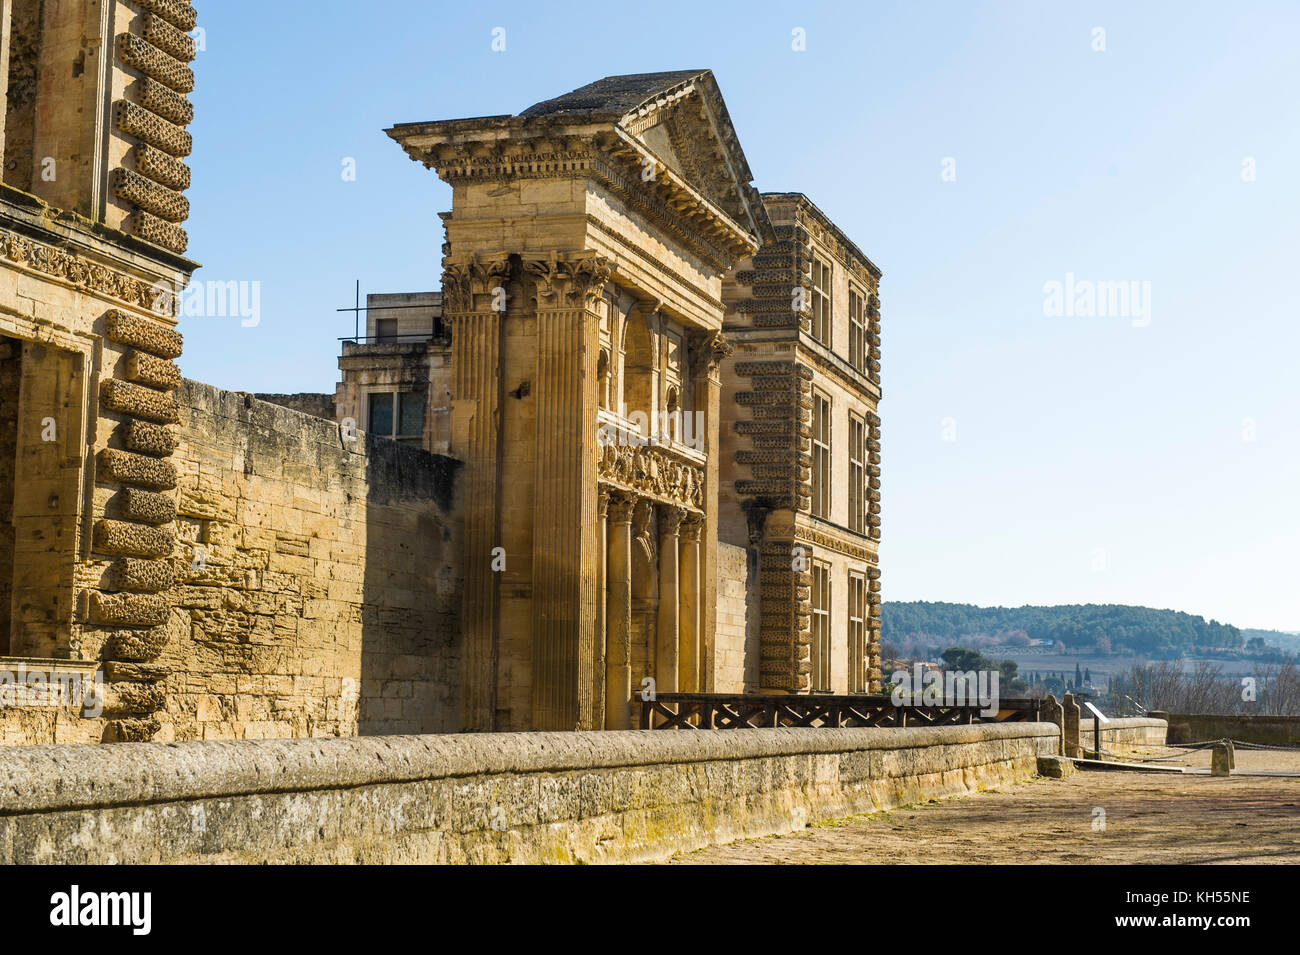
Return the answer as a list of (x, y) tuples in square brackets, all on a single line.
[(318, 578), (411, 587)]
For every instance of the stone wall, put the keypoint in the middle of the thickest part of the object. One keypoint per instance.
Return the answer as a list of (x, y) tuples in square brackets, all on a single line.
[(315, 579), (10, 379), (736, 601), (316, 405), (1123, 732), (1199, 727), (491, 797)]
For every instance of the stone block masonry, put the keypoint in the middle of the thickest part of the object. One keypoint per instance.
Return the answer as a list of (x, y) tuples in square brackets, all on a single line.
[(491, 797), (314, 578)]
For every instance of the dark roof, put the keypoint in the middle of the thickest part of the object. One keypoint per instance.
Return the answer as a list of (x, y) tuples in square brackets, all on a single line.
[(613, 94)]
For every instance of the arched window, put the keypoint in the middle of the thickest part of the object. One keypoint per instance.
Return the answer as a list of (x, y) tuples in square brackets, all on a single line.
[(602, 379)]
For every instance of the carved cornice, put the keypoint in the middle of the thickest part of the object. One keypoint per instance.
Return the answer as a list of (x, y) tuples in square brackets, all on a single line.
[(652, 473), (70, 267), (796, 218), (832, 542)]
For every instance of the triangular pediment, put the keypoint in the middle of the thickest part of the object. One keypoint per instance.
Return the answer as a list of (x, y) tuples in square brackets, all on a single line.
[(682, 119)]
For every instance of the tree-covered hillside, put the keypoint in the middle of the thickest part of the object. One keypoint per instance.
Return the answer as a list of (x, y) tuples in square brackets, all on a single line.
[(1104, 627)]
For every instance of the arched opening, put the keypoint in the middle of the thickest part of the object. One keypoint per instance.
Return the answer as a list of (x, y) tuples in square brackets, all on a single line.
[(602, 379), (638, 373)]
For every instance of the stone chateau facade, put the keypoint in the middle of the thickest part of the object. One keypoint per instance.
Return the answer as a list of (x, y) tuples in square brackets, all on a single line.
[(634, 435)]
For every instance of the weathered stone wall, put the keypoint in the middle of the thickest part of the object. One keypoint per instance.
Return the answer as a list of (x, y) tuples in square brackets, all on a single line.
[(316, 405), (1123, 732), (10, 378), (316, 579), (490, 797), (1268, 730), (736, 597)]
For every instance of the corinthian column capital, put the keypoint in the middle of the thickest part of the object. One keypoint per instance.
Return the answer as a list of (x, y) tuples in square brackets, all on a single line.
[(575, 281), (463, 280)]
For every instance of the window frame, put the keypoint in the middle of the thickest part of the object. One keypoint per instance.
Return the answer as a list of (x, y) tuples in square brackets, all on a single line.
[(823, 458), (397, 402), (820, 650), (857, 631), (823, 299), (858, 347), (857, 473)]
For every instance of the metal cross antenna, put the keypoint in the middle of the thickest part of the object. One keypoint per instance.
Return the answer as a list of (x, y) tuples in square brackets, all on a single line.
[(357, 309)]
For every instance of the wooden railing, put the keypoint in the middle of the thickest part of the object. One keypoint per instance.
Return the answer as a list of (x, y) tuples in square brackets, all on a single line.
[(715, 711)]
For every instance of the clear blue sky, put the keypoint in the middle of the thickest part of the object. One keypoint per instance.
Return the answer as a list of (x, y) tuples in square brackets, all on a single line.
[(1097, 459)]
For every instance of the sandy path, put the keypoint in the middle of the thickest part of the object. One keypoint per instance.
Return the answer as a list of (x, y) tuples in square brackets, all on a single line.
[(1164, 818)]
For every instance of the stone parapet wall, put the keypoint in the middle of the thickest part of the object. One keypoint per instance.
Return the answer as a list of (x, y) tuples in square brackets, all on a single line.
[(1123, 731), (1267, 730), (491, 797)]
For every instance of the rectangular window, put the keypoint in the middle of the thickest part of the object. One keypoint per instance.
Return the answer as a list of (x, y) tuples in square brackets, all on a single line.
[(385, 330), (857, 330), (821, 301), (411, 417), (857, 633), (397, 415), (380, 421), (821, 626), (857, 473), (821, 476)]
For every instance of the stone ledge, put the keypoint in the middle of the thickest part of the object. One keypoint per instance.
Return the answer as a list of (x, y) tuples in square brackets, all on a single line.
[(45, 778)]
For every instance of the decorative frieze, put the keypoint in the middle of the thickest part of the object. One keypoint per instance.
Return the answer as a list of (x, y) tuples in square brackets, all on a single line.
[(82, 273), (653, 472)]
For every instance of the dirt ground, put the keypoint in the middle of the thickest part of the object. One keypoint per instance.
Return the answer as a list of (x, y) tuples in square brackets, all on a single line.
[(1148, 818)]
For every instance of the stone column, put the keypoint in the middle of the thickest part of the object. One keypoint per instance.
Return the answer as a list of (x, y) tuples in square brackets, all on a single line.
[(469, 296), (564, 504), (706, 386), (1054, 713), (667, 662), (602, 587), (618, 614), (689, 662), (1071, 727)]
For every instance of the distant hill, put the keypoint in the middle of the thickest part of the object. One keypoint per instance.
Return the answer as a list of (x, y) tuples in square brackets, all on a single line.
[(1105, 627), (1275, 638)]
